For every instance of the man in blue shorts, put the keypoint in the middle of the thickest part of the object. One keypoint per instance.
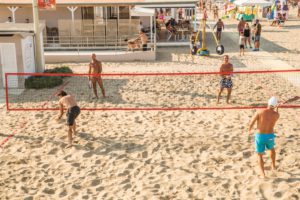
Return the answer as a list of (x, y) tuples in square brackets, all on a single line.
[(264, 138)]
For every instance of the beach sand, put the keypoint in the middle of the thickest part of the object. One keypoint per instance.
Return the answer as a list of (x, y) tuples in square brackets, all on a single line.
[(146, 155), (152, 154)]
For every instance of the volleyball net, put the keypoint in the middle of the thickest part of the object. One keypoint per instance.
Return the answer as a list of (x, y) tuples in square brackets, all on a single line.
[(152, 91)]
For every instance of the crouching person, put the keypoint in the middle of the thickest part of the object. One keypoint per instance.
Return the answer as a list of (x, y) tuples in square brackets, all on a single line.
[(73, 111)]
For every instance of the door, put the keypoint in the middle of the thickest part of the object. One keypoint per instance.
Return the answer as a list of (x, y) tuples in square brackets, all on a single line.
[(9, 63), (28, 55)]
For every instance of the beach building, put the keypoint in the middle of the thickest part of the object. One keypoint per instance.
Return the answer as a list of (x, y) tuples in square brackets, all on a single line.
[(93, 25), (17, 53)]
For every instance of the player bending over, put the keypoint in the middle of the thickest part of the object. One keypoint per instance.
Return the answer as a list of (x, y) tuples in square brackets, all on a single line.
[(73, 111)]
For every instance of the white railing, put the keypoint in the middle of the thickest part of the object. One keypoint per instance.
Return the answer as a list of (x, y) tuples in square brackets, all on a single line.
[(79, 43)]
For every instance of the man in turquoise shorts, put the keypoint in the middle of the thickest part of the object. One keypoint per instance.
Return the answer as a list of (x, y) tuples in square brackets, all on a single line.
[(264, 138)]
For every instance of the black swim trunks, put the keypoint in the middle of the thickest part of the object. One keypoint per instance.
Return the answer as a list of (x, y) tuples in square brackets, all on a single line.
[(226, 83), (72, 114)]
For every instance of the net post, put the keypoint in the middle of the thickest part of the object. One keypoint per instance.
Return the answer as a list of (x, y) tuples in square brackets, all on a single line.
[(6, 92)]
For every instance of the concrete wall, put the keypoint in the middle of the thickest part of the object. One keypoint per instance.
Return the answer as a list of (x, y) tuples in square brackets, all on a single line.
[(63, 57)]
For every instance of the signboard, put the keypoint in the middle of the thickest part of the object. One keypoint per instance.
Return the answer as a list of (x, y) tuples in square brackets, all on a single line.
[(47, 4)]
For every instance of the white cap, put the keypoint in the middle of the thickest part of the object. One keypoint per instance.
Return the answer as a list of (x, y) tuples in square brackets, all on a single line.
[(273, 102)]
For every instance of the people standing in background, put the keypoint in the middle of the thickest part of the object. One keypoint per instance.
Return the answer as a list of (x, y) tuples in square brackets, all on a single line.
[(241, 25), (242, 43), (141, 26), (298, 8), (257, 35), (9, 20), (247, 34), (216, 12)]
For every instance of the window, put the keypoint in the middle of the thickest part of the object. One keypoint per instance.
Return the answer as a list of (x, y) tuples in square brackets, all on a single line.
[(87, 12), (124, 12)]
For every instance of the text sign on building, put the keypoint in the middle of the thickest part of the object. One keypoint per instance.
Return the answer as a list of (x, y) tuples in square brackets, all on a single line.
[(47, 4)]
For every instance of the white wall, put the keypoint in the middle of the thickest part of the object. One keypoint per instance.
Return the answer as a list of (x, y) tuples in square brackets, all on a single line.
[(51, 17), (65, 57), (4, 14)]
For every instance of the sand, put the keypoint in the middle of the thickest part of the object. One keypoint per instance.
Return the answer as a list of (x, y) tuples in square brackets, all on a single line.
[(152, 154)]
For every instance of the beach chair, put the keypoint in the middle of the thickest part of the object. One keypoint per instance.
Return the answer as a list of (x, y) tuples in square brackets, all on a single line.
[(171, 33)]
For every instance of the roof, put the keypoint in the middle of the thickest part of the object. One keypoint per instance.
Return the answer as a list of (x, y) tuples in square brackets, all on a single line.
[(100, 2)]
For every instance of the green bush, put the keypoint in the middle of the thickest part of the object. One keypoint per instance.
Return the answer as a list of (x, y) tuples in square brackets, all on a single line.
[(60, 70), (39, 82)]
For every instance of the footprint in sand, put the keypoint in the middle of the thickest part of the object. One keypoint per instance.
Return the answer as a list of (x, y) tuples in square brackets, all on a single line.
[(99, 189), (95, 182), (130, 166), (75, 164), (126, 181), (246, 154), (53, 151), (49, 180), (127, 186), (76, 186), (40, 115), (63, 193), (48, 191), (145, 154)]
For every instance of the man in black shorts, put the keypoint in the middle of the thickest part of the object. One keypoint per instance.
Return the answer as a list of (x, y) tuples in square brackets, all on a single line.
[(220, 27), (226, 70), (73, 111)]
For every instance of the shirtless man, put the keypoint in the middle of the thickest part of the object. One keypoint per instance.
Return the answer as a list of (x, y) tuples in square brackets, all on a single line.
[(220, 27), (226, 81), (95, 67), (73, 111), (264, 139), (241, 26), (144, 39)]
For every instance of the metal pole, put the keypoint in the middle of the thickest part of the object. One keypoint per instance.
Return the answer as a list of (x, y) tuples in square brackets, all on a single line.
[(118, 21), (39, 64), (151, 29), (6, 92), (155, 34)]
